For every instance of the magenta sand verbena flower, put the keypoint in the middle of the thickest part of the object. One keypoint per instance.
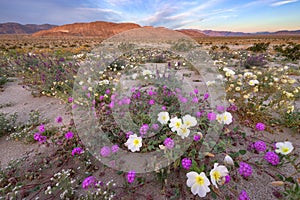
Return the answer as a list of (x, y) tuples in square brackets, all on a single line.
[(260, 126), (88, 182), (130, 176), (272, 158), (260, 146), (186, 163), (76, 150), (69, 135), (169, 143), (245, 169), (243, 195), (105, 151), (115, 148)]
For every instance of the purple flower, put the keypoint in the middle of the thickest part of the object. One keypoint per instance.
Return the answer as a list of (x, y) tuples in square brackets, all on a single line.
[(197, 137), (144, 129), (186, 163), (164, 108), (183, 99), (206, 95), (198, 114), (59, 119), (151, 92), (260, 126), (227, 179), (260, 146), (70, 99), (69, 135), (115, 148), (196, 91), (111, 105), (36, 136), (151, 102), (169, 143), (88, 182), (195, 100), (245, 170), (42, 128), (76, 150), (128, 134), (107, 91), (220, 108), (105, 151), (272, 158), (232, 108), (155, 127), (211, 116), (130, 176), (101, 97), (243, 195), (40, 138)]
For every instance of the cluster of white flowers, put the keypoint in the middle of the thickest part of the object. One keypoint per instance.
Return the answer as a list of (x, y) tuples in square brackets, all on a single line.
[(224, 118), (199, 183), (181, 126), (228, 72)]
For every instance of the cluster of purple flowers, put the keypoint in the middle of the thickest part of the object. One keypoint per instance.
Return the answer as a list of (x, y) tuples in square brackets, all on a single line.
[(243, 195), (260, 126), (169, 143), (106, 150), (88, 182), (38, 136), (260, 146), (131, 176), (69, 135), (245, 170), (144, 129), (77, 150), (186, 163), (272, 158)]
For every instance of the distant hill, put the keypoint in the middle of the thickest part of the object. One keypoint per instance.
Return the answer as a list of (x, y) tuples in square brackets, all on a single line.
[(192, 32), (15, 28), (231, 33), (98, 28)]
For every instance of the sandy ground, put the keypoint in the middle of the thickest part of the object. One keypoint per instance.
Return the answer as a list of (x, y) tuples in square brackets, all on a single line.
[(22, 102)]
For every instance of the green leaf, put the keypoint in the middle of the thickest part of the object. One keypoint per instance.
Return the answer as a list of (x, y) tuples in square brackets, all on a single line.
[(242, 152)]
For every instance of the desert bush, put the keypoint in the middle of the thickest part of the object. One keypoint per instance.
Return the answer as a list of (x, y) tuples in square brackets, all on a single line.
[(251, 61), (7, 123), (290, 51), (259, 47)]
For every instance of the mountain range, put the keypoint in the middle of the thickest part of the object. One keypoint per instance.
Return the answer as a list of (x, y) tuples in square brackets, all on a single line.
[(107, 29)]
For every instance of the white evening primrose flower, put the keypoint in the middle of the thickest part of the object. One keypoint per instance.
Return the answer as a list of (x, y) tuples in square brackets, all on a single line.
[(198, 183), (189, 121), (248, 74), (228, 160), (253, 82), (183, 131), (209, 83), (147, 72), (134, 76), (134, 143), (175, 124), (163, 117), (284, 147), (225, 118), (217, 174)]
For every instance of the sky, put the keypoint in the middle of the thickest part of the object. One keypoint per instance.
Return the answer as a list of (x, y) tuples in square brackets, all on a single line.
[(233, 15)]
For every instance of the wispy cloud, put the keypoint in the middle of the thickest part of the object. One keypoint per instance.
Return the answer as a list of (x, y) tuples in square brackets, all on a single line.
[(280, 3)]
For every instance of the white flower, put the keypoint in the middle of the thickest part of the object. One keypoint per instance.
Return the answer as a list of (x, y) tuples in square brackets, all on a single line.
[(147, 72), (134, 76), (189, 121), (228, 160), (175, 124), (163, 117), (209, 83), (217, 174), (253, 82), (134, 143), (198, 182), (183, 131), (225, 118), (228, 72), (248, 74), (284, 147)]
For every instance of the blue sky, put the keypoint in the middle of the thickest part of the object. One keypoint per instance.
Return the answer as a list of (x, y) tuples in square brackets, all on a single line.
[(234, 15)]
